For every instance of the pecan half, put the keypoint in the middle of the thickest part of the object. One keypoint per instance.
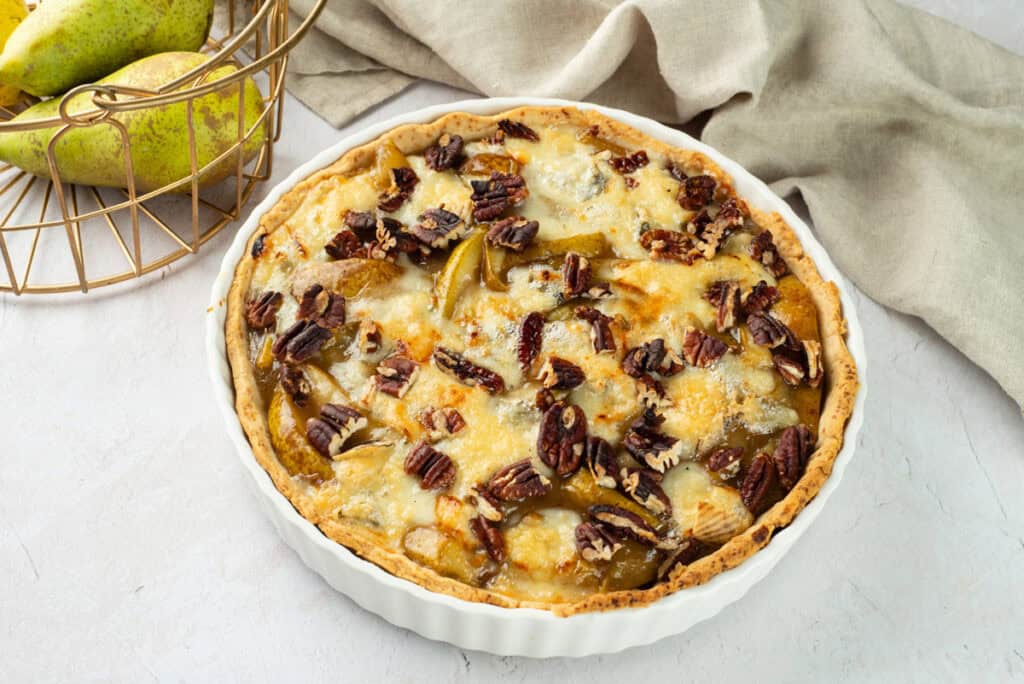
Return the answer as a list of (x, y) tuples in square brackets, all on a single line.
[(725, 295), (370, 337), (561, 438), (518, 481), (391, 238), (490, 537), (362, 223), (441, 422), (321, 306), (602, 462), (487, 504), (629, 163), (796, 444), (769, 331), (300, 342), (403, 182), (625, 522), (696, 192), (434, 468), (494, 196), (328, 433), (763, 249), (644, 487), (531, 332), (700, 349), (649, 445), (757, 482), (730, 214), (651, 392), (597, 541), (815, 372), (576, 274), (467, 372), (257, 246), (672, 245), (438, 227), (544, 399), (559, 374), (790, 365), (345, 245), (261, 313), (514, 232), (295, 384), (726, 461), (445, 153), (689, 550), (645, 359), (396, 373), (516, 129), (760, 298), (600, 328)]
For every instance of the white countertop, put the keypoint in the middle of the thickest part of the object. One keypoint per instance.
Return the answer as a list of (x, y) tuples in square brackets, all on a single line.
[(132, 550)]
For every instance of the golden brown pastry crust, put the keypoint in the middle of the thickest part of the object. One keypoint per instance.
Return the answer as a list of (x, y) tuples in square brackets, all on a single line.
[(840, 369)]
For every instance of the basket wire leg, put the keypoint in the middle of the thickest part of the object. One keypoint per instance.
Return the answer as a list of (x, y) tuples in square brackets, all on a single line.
[(51, 160), (193, 159)]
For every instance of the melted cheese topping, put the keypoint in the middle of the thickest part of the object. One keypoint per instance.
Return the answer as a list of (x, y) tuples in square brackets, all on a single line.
[(573, 191)]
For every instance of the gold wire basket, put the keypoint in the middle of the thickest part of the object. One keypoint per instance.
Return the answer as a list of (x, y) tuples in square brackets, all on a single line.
[(146, 230)]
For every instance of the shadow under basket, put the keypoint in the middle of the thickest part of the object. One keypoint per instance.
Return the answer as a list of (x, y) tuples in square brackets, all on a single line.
[(60, 237)]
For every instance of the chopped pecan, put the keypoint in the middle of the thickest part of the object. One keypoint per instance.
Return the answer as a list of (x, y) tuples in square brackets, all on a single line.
[(403, 182), (516, 129), (631, 182), (261, 313), (321, 306), (494, 196), (812, 353), (576, 275), (257, 246), (602, 462), (559, 374), (434, 468), (760, 298), (699, 223), (468, 372), (696, 192), (514, 232), (600, 328), (396, 373), (490, 537), (390, 238), (441, 422), (445, 153), (757, 482), (700, 349), (597, 541), (689, 550), (645, 359), (487, 503), (796, 444), (295, 384), (763, 249), (362, 223), (790, 365), (625, 522), (726, 461), (725, 295), (518, 481), (670, 244), (544, 399), (629, 163), (345, 245), (649, 445), (769, 331), (676, 171), (438, 227), (561, 438), (651, 391), (300, 342), (644, 487), (370, 337), (328, 433), (730, 214), (531, 331)]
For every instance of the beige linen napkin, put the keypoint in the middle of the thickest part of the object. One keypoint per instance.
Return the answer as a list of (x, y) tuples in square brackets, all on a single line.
[(903, 133)]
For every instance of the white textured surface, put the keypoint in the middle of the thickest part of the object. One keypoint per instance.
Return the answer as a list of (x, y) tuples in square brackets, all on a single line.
[(132, 550)]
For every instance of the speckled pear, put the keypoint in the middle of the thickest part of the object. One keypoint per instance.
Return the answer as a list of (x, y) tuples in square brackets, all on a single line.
[(12, 12), (64, 43), (93, 155)]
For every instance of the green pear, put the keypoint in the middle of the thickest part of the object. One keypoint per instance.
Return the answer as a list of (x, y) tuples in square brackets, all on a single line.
[(93, 155), (64, 43)]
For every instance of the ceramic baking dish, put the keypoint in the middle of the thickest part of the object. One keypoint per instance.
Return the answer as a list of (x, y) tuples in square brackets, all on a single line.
[(485, 627)]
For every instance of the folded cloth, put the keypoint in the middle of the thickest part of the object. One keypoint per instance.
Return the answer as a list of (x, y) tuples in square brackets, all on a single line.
[(903, 133)]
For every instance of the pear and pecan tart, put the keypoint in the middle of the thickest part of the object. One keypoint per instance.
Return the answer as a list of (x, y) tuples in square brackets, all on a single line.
[(537, 359)]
